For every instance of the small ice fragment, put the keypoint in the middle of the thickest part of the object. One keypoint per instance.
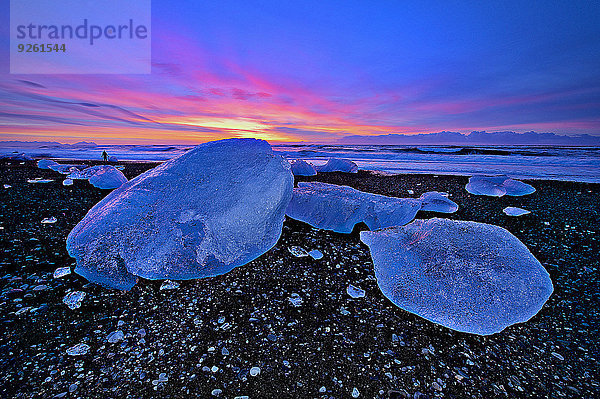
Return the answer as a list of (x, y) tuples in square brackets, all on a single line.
[(169, 285), (49, 220), (298, 252), (338, 165), (322, 390), (216, 392), (497, 186), (141, 332), (434, 201), (302, 168), (73, 299), (7, 186), (161, 378), (316, 254), (514, 211), (61, 272), (78, 350), (39, 180), (355, 292), (115, 336), (46, 163), (411, 192), (67, 182), (224, 351), (355, 393), (558, 356), (295, 300), (214, 369), (254, 371)]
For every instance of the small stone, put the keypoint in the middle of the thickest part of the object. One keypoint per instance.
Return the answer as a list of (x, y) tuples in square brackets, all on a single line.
[(558, 356), (49, 220), (73, 387)]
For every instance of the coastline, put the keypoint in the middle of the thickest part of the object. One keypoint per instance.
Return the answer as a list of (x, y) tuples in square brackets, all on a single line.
[(331, 340)]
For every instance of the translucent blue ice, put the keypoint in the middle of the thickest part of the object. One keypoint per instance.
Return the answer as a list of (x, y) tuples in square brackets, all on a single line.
[(73, 299), (497, 186), (78, 350), (302, 168), (316, 254), (514, 211), (218, 206), (467, 276), (66, 169), (107, 177), (355, 292), (434, 201), (338, 165), (339, 208), (46, 163)]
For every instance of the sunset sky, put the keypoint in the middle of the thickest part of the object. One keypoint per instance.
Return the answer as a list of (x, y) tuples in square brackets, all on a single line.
[(316, 71)]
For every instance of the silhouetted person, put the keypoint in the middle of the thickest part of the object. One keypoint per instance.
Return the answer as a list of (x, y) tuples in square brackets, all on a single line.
[(105, 155)]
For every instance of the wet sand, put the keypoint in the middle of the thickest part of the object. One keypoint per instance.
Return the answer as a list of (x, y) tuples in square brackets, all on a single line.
[(207, 334)]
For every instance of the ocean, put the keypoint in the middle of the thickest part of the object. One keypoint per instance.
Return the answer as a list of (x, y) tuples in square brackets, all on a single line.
[(581, 164)]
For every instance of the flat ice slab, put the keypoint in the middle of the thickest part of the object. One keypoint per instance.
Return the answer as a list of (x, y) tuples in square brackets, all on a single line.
[(514, 211), (339, 208), (218, 206), (434, 201), (338, 165), (497, 186), (467, 276)]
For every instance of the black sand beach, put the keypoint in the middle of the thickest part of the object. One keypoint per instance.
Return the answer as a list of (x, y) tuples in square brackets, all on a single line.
[(207, 334)]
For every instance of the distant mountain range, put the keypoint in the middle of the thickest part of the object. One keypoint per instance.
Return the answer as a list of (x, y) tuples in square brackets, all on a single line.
[(474, 138)]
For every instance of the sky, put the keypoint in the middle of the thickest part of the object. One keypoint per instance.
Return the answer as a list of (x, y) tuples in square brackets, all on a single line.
[(317, 71)]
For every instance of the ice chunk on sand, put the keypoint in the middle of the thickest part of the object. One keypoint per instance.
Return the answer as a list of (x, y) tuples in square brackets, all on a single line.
[(338, 165), (73, 299), (49, 220), (78, 350), (113, 158), (497, 186), (467, 276), (216, 207), (339, 208), (65, 169), (115, 337), (316, 254), (85, 173), (61, 272), (107, 177), (302, 168), (67, 182), (7, 186), (295, 300), (46, 163), (514, 211), (517, 188), (434, 201), (39, 180), (355, 292), (169, 285), (298, 252)]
